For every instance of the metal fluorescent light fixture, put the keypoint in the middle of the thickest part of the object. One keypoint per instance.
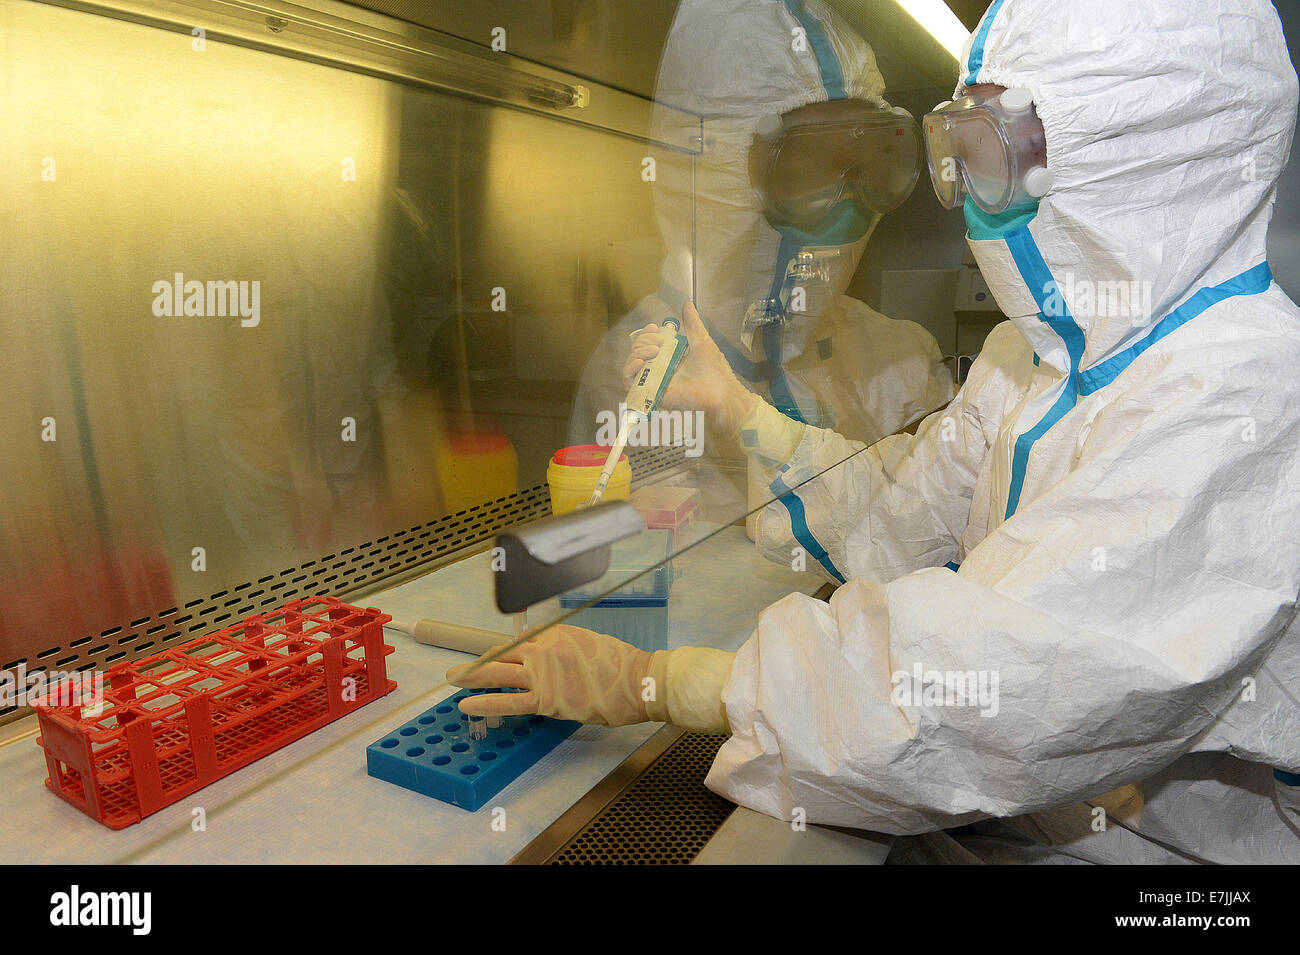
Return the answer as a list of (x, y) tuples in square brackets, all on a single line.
[(940, 22), (341, 35)]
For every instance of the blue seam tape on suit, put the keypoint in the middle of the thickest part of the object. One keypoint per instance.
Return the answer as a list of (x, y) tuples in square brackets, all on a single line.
[(976, 59), (1038, 278), (1250, 282), (827, 62), (1078, 383), (777, 385), (799, 527)]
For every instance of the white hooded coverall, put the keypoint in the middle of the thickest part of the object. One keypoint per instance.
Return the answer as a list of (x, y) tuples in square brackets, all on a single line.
[(730, 63), (1118, 484)]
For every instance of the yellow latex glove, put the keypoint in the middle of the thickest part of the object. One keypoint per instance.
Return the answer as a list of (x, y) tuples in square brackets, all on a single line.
[(574, 674), (566, 672)]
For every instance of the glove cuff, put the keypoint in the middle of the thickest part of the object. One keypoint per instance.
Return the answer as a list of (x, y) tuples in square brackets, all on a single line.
[(688, 688), (767, 436)]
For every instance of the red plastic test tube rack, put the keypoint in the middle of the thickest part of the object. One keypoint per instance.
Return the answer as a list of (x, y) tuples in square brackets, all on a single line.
[(173, 722)]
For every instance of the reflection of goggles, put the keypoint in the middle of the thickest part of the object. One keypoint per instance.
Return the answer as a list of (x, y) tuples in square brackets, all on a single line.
[(990, 146), (802, 172)]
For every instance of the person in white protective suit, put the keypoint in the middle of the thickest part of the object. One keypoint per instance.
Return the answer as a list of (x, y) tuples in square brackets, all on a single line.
[(795, 70), (1106, 519)]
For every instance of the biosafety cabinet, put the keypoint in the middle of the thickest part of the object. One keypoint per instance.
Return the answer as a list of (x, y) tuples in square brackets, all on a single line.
[(300, 300)]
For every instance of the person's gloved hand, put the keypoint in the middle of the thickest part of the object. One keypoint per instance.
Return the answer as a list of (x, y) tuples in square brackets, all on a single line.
[(568, 673), (575, 674), (703, 382)]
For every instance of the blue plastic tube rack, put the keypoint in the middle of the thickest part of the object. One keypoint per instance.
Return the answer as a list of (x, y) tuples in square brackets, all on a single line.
[(435, 754)]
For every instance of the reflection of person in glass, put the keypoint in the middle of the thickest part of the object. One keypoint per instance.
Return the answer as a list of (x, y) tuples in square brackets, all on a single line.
[(800, 159), (1071, 595)]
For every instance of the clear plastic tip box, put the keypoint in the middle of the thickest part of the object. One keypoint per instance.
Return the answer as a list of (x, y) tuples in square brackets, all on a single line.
[(434, 754), (637, 612)]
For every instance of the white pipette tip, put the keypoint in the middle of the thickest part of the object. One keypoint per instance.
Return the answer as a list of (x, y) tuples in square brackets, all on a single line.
[(597, 494), (615, 452), (400, 626)]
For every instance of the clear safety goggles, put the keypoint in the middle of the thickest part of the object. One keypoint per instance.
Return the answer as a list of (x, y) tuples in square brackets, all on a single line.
[(802, 171), (988, 144)]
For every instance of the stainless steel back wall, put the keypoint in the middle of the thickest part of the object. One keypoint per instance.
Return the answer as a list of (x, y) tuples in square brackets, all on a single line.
[(155, 460)]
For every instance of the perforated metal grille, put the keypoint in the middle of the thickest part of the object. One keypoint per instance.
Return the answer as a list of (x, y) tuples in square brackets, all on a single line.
[(330, 575), (664, 818), (653, 460)]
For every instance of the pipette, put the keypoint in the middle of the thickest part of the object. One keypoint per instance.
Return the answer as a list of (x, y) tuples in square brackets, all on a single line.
[(645, 394)]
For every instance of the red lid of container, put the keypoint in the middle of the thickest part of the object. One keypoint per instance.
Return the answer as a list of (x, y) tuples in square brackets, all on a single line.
[(584, 456)]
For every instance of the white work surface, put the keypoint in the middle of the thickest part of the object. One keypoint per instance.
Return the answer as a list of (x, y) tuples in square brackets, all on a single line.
[(312, 801)]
